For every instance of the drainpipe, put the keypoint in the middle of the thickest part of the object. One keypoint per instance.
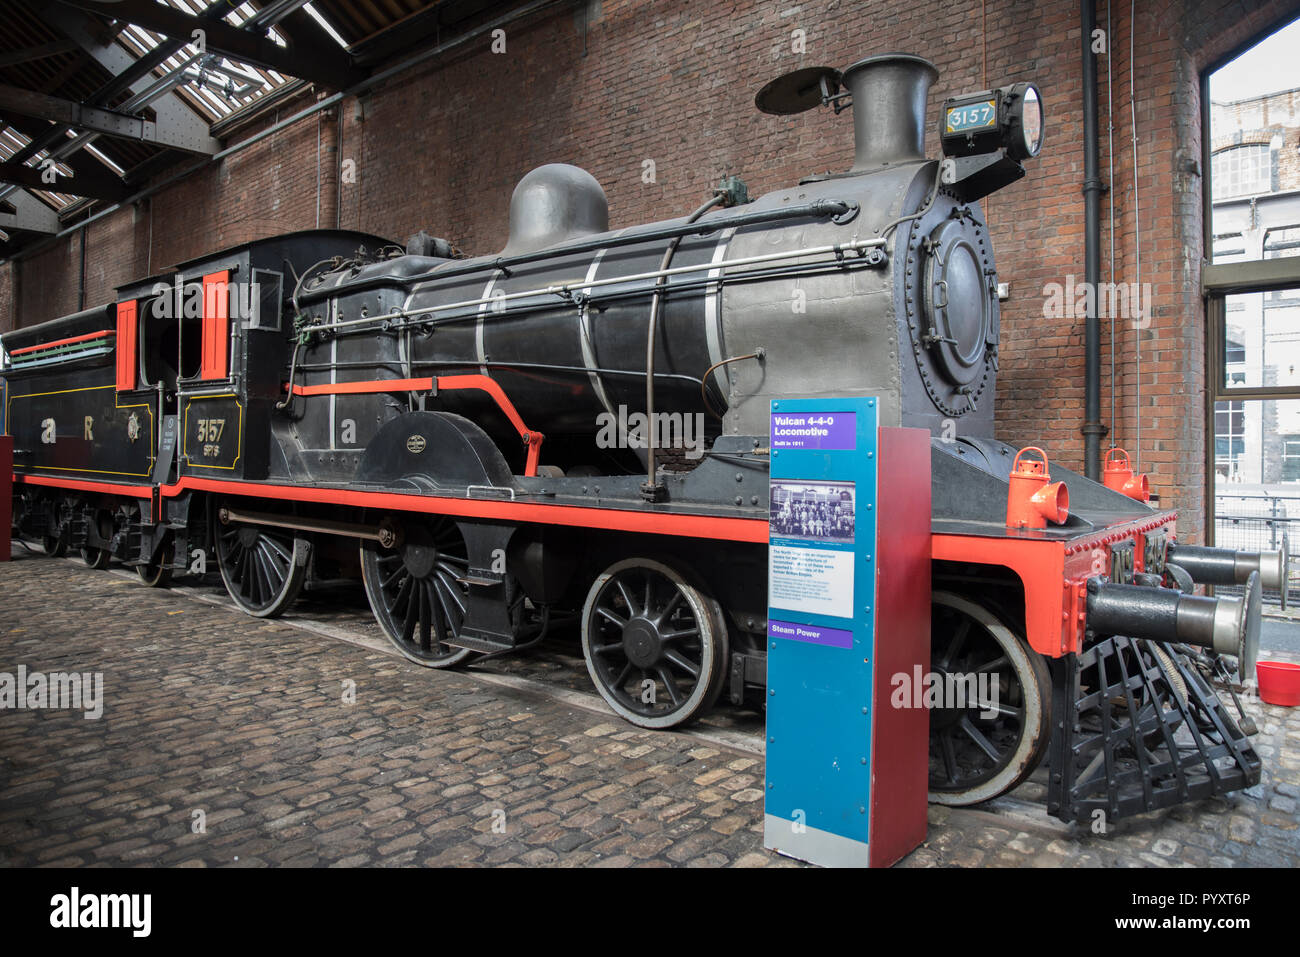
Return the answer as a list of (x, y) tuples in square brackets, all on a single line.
[(81, 274), (1093, 429)]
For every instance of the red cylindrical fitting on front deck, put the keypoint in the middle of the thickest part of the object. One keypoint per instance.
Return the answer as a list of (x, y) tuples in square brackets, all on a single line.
[(1117, 475), (1033, 499)]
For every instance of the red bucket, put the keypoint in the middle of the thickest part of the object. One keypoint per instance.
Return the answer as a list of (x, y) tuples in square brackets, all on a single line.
[(1279, 682)]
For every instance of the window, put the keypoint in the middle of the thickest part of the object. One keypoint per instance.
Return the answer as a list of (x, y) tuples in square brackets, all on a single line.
[(1253, 305), (1291, 458), (160, 348), (1261, 339), (1229, 439), (1242, 171), (1282, 242), (1234, 358)]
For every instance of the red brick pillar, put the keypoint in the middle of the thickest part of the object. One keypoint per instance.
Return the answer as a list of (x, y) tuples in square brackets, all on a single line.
[(6, 493)]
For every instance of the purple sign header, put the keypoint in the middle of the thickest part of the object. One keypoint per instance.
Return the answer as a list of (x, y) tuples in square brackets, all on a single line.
[(816, 634), (814, 430)]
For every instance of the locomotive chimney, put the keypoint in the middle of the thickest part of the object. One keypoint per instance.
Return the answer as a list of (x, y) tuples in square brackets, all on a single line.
[(889, 94)]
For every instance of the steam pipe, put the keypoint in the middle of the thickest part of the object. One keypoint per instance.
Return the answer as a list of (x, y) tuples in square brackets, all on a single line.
[(651, 490), (1093, 429), (1223, 566)]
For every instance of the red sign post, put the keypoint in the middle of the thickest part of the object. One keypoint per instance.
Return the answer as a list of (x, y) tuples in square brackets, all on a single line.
[(6, 493)]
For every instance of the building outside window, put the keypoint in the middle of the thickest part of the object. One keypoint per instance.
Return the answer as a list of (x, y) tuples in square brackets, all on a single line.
[(1254, 170), (1243, 170)]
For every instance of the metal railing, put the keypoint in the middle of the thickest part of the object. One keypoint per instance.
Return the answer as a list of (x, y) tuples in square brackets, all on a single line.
[(1251, 522)]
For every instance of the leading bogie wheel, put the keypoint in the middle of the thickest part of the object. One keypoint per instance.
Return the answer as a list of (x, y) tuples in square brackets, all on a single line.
[(56, 542), (263, 568), (655, 642), (993, 725), (157, 572), (416, 592)]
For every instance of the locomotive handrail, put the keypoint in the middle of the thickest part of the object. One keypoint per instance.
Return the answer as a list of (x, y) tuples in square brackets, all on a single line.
[(567, 290), (101, 334), (821, 209), (61, 350)]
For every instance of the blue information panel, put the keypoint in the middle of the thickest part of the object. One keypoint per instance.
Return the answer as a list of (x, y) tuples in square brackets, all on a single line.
[(821, 629)]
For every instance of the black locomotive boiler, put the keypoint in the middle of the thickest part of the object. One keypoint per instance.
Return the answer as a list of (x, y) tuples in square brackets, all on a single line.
[(575, 429)]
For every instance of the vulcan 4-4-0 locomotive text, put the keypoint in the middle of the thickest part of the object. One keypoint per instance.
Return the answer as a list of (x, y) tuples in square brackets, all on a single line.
[(574, 431)]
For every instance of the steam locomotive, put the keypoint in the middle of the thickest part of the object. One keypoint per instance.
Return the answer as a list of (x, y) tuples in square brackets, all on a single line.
[(575, 429)]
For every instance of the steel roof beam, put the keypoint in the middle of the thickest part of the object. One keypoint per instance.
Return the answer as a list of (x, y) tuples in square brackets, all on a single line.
[(29, 213), (107, 187), (93, 119), (273, 12), (328, 67), (81, 164), (26, 55), (129, 73), (169, 109)]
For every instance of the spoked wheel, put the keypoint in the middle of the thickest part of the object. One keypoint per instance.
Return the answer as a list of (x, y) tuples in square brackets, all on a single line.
[(655, 644), (992, 740), (98, 557), (415, 593), (263, 569)]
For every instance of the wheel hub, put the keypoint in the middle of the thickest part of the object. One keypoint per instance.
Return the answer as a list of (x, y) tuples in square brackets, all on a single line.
[(641, 643), (420, 560), (248, 536)]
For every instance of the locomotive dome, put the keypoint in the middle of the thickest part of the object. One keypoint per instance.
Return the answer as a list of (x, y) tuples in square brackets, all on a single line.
[(553, 204)]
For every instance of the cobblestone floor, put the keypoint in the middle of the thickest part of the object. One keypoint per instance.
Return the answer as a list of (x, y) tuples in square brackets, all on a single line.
[(292, 747)]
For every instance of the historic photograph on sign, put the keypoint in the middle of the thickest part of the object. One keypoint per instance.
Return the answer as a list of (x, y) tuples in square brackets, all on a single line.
[(815, 511)]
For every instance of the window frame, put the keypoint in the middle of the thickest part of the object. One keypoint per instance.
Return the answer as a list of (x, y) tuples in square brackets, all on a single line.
[(1222, 279)]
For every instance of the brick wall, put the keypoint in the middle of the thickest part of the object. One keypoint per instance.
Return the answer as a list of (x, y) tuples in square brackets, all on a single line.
[(673, 82)]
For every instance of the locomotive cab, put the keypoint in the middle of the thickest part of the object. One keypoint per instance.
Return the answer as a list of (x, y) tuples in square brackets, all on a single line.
[(210, 342)]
